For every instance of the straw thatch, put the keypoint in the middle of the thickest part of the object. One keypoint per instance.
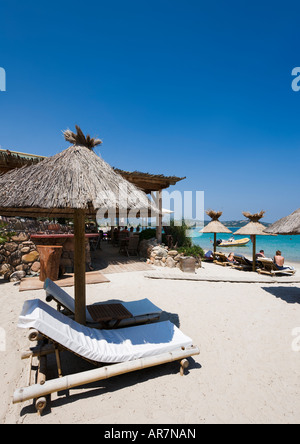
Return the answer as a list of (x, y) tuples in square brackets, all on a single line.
[(254, 227), (74, 179), (215, 226), (287, 225)]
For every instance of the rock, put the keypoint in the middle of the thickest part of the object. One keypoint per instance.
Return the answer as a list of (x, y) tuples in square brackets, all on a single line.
[(170, 262), (160, 252), (6, 268), (17, 276), (35, 268), (25, 250), (173, 253), (31, 257), (146, 246), (11, 247), (15, 258), (21, 237), (177, 258)]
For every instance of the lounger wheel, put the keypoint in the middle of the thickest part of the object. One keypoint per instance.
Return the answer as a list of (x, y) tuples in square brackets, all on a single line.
[(40, 404)]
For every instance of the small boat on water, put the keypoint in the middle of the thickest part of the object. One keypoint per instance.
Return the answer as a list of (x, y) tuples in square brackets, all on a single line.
[(233, 242)]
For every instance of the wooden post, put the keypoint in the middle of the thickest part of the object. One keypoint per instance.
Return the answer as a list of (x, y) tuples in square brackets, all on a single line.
[(254, 252), (79, 266), (215, 242), (159, 217)]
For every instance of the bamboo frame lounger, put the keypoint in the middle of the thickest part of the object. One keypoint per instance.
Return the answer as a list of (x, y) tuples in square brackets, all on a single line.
[(142, 311), (243, 263), (267, 266), (127, 349), (221, 259)]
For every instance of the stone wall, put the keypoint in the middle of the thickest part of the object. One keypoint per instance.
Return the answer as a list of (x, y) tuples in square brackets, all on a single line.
[(160, 255), (19, 255)]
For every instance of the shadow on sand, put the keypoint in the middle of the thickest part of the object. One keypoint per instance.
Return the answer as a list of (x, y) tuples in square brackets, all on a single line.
[(290, 295)]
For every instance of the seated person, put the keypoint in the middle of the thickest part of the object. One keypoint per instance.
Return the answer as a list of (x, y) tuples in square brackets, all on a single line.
[(279, 261), (230, 258), (209, 255), (131, 232), (260, 254)]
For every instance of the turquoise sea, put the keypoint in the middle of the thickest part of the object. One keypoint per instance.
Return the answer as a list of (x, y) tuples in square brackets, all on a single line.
[(288, 245)]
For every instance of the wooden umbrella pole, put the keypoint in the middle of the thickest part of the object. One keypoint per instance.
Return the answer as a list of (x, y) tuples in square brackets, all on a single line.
[(215, 242), (79, 266), (254, 253)]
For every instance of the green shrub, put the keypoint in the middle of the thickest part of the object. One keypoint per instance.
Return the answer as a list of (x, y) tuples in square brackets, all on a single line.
[(4, 235), (149, 233), (194, 251), (178, 233)]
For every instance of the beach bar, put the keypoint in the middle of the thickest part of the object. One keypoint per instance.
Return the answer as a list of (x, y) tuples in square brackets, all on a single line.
[(74, 184)]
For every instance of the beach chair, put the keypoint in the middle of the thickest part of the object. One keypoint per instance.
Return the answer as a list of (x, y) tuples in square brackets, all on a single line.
[(127, 349), (221, 259), (140, 312), (267, 266), (132, 247), (242, 263)]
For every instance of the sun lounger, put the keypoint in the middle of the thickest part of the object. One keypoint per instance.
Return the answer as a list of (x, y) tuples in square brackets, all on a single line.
[(221, 259), (267, 266), (242, 263), (142, 311), (128, 349)]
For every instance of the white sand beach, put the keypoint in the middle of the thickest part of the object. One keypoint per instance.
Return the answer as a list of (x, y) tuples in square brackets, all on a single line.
[(247, 372)]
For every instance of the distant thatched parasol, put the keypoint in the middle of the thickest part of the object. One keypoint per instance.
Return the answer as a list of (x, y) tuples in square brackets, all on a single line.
[(74, 183), (253, 228), (287, 225), (215, 226)]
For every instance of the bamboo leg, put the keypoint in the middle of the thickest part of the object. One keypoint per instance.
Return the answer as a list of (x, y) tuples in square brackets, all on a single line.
[(58, 363), (184, 363), (30, 370), (41, 402), (41, 379)]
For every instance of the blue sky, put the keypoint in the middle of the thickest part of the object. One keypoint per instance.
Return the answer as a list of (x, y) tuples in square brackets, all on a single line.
[(197, 89)]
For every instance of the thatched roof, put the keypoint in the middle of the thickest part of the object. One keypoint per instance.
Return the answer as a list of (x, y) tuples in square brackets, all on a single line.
[(74, 179), (215, 226), (13, 159), (287, 225), (149, 182), (254, 227)]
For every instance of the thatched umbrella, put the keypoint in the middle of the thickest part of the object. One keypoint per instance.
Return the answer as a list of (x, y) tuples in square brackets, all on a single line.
[(287, 225), (215, 226), (75, 184), (253, 228)]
